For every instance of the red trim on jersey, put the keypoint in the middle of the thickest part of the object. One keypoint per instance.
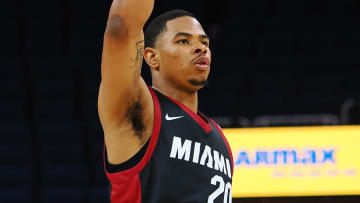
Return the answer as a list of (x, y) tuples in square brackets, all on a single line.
[(132, 187), (200, 119), (226, 142), (129, 180)]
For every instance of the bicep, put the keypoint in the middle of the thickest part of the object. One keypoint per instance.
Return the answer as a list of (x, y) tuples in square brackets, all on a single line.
[(120, 70), (122, 60)]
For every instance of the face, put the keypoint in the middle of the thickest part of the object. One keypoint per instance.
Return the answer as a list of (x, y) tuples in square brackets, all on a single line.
[(184, 54)]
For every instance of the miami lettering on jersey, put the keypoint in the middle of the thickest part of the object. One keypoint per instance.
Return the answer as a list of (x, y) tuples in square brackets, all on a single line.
[(208, 157)]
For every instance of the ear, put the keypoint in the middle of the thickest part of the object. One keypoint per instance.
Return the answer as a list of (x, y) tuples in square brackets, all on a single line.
[(151, 56)]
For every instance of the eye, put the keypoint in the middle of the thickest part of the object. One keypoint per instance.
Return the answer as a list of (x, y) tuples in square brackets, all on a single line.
[(205, 43), (183, 41)]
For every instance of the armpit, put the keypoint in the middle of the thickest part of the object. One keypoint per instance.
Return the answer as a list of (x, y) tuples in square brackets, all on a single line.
[(134, 114)]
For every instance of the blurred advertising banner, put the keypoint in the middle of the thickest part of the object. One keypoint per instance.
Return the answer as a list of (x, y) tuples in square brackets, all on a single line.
[(295, 161)]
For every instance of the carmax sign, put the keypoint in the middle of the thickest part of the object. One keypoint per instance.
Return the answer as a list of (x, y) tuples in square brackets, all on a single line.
[(295, 161)]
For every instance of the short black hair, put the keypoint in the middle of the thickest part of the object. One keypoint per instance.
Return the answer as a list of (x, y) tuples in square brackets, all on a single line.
[(158, 25)]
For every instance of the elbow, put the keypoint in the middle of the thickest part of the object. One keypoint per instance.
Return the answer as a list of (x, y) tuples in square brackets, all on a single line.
[(116, 28)]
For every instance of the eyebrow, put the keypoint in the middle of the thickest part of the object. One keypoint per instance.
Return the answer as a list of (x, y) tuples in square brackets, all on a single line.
[(202, 36)]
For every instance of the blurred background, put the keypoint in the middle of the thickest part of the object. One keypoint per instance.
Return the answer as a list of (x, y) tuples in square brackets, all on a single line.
[(275, 63)]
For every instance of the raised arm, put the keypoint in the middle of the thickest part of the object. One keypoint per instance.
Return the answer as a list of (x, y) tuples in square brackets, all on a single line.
[(122, 86), (122, 57)]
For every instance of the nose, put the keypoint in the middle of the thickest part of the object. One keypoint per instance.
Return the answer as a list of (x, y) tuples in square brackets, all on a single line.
[(200, 49)]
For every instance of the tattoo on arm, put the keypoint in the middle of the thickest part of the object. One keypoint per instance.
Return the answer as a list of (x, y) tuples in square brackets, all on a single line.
[(138, 59)]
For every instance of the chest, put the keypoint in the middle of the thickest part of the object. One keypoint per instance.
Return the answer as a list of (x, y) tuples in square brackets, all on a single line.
[(185, 147)]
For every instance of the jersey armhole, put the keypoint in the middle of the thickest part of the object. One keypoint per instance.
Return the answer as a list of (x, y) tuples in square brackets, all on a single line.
[(114, 168), (125, 174)]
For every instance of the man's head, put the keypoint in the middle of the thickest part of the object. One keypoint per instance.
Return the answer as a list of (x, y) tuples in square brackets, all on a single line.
[(177, 51)]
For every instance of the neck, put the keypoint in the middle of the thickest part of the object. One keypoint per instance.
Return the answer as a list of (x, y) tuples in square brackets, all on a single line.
[(188, 99)]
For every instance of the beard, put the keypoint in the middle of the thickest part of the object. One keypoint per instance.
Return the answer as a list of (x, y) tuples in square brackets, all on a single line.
[(198, 82)]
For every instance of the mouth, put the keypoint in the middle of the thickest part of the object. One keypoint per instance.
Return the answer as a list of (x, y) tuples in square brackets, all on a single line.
[(202, 63)]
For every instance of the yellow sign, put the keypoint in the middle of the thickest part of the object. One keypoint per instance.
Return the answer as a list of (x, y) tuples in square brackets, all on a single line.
[(295, 161)]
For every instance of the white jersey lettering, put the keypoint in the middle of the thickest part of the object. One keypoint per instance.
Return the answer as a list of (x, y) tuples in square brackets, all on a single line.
[(228, 167), (180, 150), (219, 162), (196, 152), (209, 157)]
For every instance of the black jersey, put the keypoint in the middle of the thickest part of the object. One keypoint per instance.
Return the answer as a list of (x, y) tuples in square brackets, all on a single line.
[(187, 159)]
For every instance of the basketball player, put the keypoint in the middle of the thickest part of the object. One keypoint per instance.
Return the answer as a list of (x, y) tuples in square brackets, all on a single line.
[(159, 147)]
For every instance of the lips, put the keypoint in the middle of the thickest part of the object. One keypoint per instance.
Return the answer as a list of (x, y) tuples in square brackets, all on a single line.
[(202, 62)]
